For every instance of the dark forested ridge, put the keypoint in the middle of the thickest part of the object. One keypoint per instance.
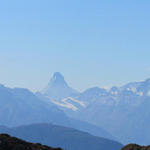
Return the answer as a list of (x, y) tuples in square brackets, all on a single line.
[(135, 147), (11, 143)]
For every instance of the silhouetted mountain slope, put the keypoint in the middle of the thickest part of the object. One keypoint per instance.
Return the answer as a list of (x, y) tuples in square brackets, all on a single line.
[(135, 147), (11, 143), (58, 136)]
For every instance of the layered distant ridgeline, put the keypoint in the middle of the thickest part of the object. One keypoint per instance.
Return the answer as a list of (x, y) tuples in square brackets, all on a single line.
[(122, 111), (21, 107), (58, 136), (135, 147), (119, 114), (11, 143)]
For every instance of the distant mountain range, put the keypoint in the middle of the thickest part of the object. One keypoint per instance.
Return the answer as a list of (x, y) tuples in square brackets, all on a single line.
[(58, 136), (22, 107), (122, 111)]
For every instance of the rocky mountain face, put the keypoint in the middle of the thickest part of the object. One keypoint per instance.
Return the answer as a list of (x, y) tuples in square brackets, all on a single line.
[(11, 143), (122, 111), (58, 88), (58, 136), (60, 93)]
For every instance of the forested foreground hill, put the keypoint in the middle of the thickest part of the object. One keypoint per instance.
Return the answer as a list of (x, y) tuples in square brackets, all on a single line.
[(136, 147), (11, 143)]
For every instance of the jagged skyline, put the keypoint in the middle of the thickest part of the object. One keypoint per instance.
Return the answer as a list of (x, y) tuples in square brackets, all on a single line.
[(98, 43)]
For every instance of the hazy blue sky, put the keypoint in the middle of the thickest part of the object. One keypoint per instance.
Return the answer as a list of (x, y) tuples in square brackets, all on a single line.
[(91, 42)]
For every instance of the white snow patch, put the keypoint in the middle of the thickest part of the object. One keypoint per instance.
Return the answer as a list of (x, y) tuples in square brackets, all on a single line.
[(140, 93), (107, 88), (74, 100), (148, 93), (65, 104), (114, 93), (134, 90)]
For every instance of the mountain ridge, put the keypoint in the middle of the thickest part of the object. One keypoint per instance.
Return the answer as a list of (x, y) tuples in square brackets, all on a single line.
[(113, 108), (59, 136), (21, 107)]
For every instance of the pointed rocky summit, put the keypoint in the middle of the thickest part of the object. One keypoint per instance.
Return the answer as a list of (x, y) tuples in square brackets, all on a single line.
[(57, 88)]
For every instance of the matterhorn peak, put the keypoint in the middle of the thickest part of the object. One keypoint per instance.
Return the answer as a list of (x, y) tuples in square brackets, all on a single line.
[(57, 80), (58, 75), (58, 88)]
